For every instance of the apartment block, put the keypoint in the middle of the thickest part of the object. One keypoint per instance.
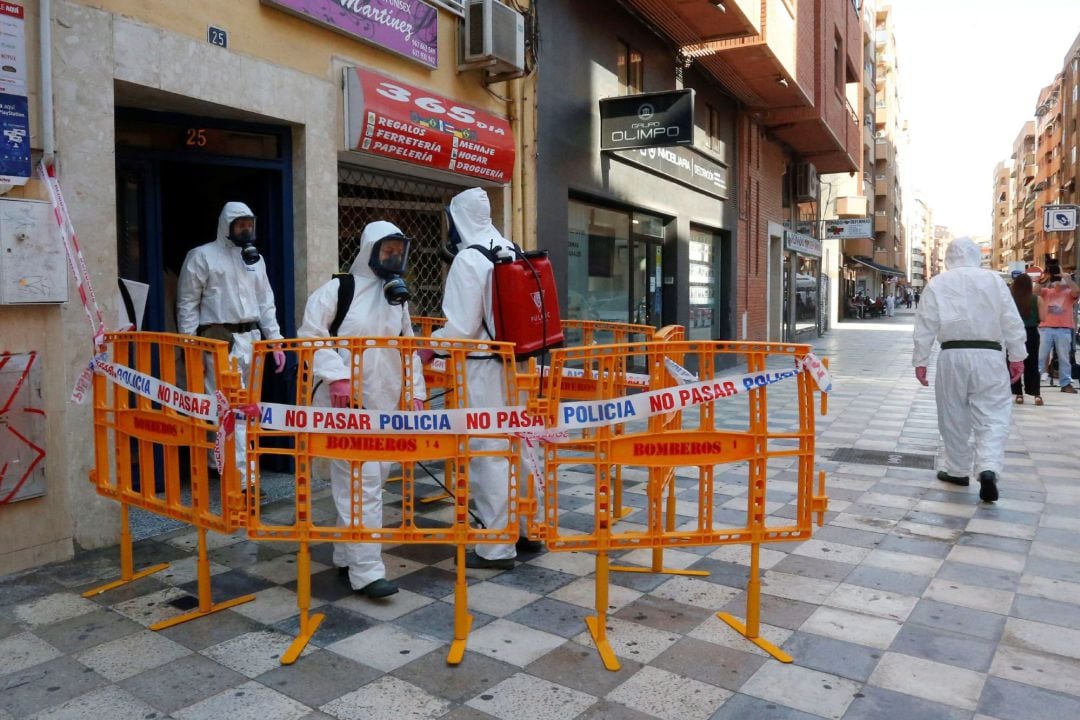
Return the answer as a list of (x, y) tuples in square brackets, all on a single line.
[(1069, 247)]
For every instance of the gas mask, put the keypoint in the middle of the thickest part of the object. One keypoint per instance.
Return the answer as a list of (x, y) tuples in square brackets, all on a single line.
[(389, 258), (448, 252), (245, 240)]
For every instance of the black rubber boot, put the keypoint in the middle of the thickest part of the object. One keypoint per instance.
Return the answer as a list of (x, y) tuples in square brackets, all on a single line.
[(988, 491), (954, 479)]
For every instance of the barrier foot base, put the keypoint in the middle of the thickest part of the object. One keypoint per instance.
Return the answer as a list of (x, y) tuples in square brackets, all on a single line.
[(121, 582), (662, 571), (761, 642), (607, 655), (196, 614), (620, 513), (457, 645), (435, 498), (300, 641)]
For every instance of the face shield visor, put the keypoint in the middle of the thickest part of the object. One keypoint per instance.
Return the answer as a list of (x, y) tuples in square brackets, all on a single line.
[(389, 257), (242, 235)]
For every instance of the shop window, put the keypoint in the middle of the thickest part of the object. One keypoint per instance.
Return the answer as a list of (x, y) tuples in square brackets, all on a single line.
[(631, 70), (415, 206), (704, 284)]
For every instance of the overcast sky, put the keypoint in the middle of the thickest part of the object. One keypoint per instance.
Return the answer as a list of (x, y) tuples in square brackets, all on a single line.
[(970, 74)]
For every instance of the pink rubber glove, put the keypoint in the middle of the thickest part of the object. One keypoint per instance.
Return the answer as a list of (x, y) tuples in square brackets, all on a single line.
[(417, 404), (279, 361), (920, 375), (426, 355), (1016, 369), (339, 394)]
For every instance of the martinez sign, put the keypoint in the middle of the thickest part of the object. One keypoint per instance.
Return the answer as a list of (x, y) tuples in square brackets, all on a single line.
[(409, 28)]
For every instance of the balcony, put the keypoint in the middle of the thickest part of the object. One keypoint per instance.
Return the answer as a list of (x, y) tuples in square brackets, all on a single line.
[(881, 223), (693, 22), (851, 206)]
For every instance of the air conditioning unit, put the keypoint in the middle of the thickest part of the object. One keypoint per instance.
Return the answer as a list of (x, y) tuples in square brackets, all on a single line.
[(492, 38), (806, 182)]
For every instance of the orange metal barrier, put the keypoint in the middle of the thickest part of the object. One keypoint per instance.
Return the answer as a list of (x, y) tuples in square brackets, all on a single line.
[(393, 436), (701, 439), (155, 427)]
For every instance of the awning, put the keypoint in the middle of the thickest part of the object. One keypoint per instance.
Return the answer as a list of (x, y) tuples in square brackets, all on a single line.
[(885, 269), (387, 117)]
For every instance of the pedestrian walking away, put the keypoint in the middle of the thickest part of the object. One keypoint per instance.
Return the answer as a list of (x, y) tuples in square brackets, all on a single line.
[(970, 312)]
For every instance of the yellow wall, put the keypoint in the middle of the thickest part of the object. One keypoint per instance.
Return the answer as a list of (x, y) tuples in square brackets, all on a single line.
[(270, 34)]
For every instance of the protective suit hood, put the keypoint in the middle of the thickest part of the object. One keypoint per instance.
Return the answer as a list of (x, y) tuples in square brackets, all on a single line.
[(963, 252), (373, 233), (471, 213), (230, 212)]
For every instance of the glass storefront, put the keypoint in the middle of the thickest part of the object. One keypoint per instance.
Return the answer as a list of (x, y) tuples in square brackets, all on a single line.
[(615, 265), (704, 288)]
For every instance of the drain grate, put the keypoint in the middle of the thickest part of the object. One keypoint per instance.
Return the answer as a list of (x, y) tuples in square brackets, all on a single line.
[(883, 457)]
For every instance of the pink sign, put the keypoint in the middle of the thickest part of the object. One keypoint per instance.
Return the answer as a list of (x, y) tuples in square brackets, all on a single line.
[(409, 28)]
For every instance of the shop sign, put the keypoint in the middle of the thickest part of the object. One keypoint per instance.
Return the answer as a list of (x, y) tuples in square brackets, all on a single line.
[(802, 243), (683, 165), (409, 28), (850, 228), (389, 118), (15, 165), (648, 120)]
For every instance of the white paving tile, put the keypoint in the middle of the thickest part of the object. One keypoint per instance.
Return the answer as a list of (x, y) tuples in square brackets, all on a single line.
[(250, 701), (573, 563), (813, 692), (872, 601), (946, 508), (904, 562), (1042, 637), (853, 627), (25, 650), (1000, 529), (741, 554), (987, 558), (1049, 588), (970, 596), (54, 608), (668, 696), (186, 570), (837, 552), (695, 591), (404, 602), (632, 641), (583, 592), (524, 696), (677, 559), (496, 599), (252, 653), (929, 680), (108, 702), (151, 608), (386, 647), (131, 655), (796, 587), (512, 642), (718, 632), (1037, 668)]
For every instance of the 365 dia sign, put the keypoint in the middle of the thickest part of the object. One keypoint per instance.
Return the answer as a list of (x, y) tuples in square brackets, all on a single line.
[(649, 120)]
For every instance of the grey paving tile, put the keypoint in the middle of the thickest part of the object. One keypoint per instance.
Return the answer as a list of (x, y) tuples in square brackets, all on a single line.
[(1061, 538), (710, 663), (664, 614), (743, 707), (1008, 700), (245, 553), (994, 512), (996, 578), (723, 573), (829, 655), (553, 616), (778, 611), (606, 710), (337, 624), (456, 683), (849, 536), (436, 620), (995, 542), (875, 703), (535, 579), (943, 646), (250, 701), (579, 667), (142, 586), (1046, 611), (228, 585), (426, 554), (916, 546), (181, 682), (985, 625), (890, 580), (211, 630), (45, 685), (317, 678), (1054, 569), (106, 702), (85, 631), (814, 568), (430, 581), (326, 586), (947, 521)]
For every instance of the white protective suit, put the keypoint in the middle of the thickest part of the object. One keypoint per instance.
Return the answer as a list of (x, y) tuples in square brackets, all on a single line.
[(369, 315), (972, 385), (216, 287), (467, 307)]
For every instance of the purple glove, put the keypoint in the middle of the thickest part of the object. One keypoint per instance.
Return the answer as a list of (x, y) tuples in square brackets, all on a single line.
[(339, 394), (426, 355), (279, 361), (417, 404)]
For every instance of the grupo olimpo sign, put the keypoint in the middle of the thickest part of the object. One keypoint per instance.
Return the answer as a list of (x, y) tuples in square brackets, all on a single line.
[(648, 120)]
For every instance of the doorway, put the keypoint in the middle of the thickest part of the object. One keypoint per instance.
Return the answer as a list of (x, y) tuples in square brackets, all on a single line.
[(174, 173)]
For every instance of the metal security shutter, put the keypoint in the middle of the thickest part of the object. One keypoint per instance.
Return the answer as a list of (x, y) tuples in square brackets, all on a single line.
[(415, 206)]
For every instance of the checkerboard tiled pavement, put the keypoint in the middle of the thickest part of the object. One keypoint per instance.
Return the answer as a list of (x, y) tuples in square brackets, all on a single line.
[(914, 602)]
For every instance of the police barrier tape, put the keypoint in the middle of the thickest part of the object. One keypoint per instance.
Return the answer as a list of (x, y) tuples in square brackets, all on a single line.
[(516, 420)]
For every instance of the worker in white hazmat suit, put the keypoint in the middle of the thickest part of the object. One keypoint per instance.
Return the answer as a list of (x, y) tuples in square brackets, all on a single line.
[(378, 308), (467, 306), (970, 312), (223, 293)]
